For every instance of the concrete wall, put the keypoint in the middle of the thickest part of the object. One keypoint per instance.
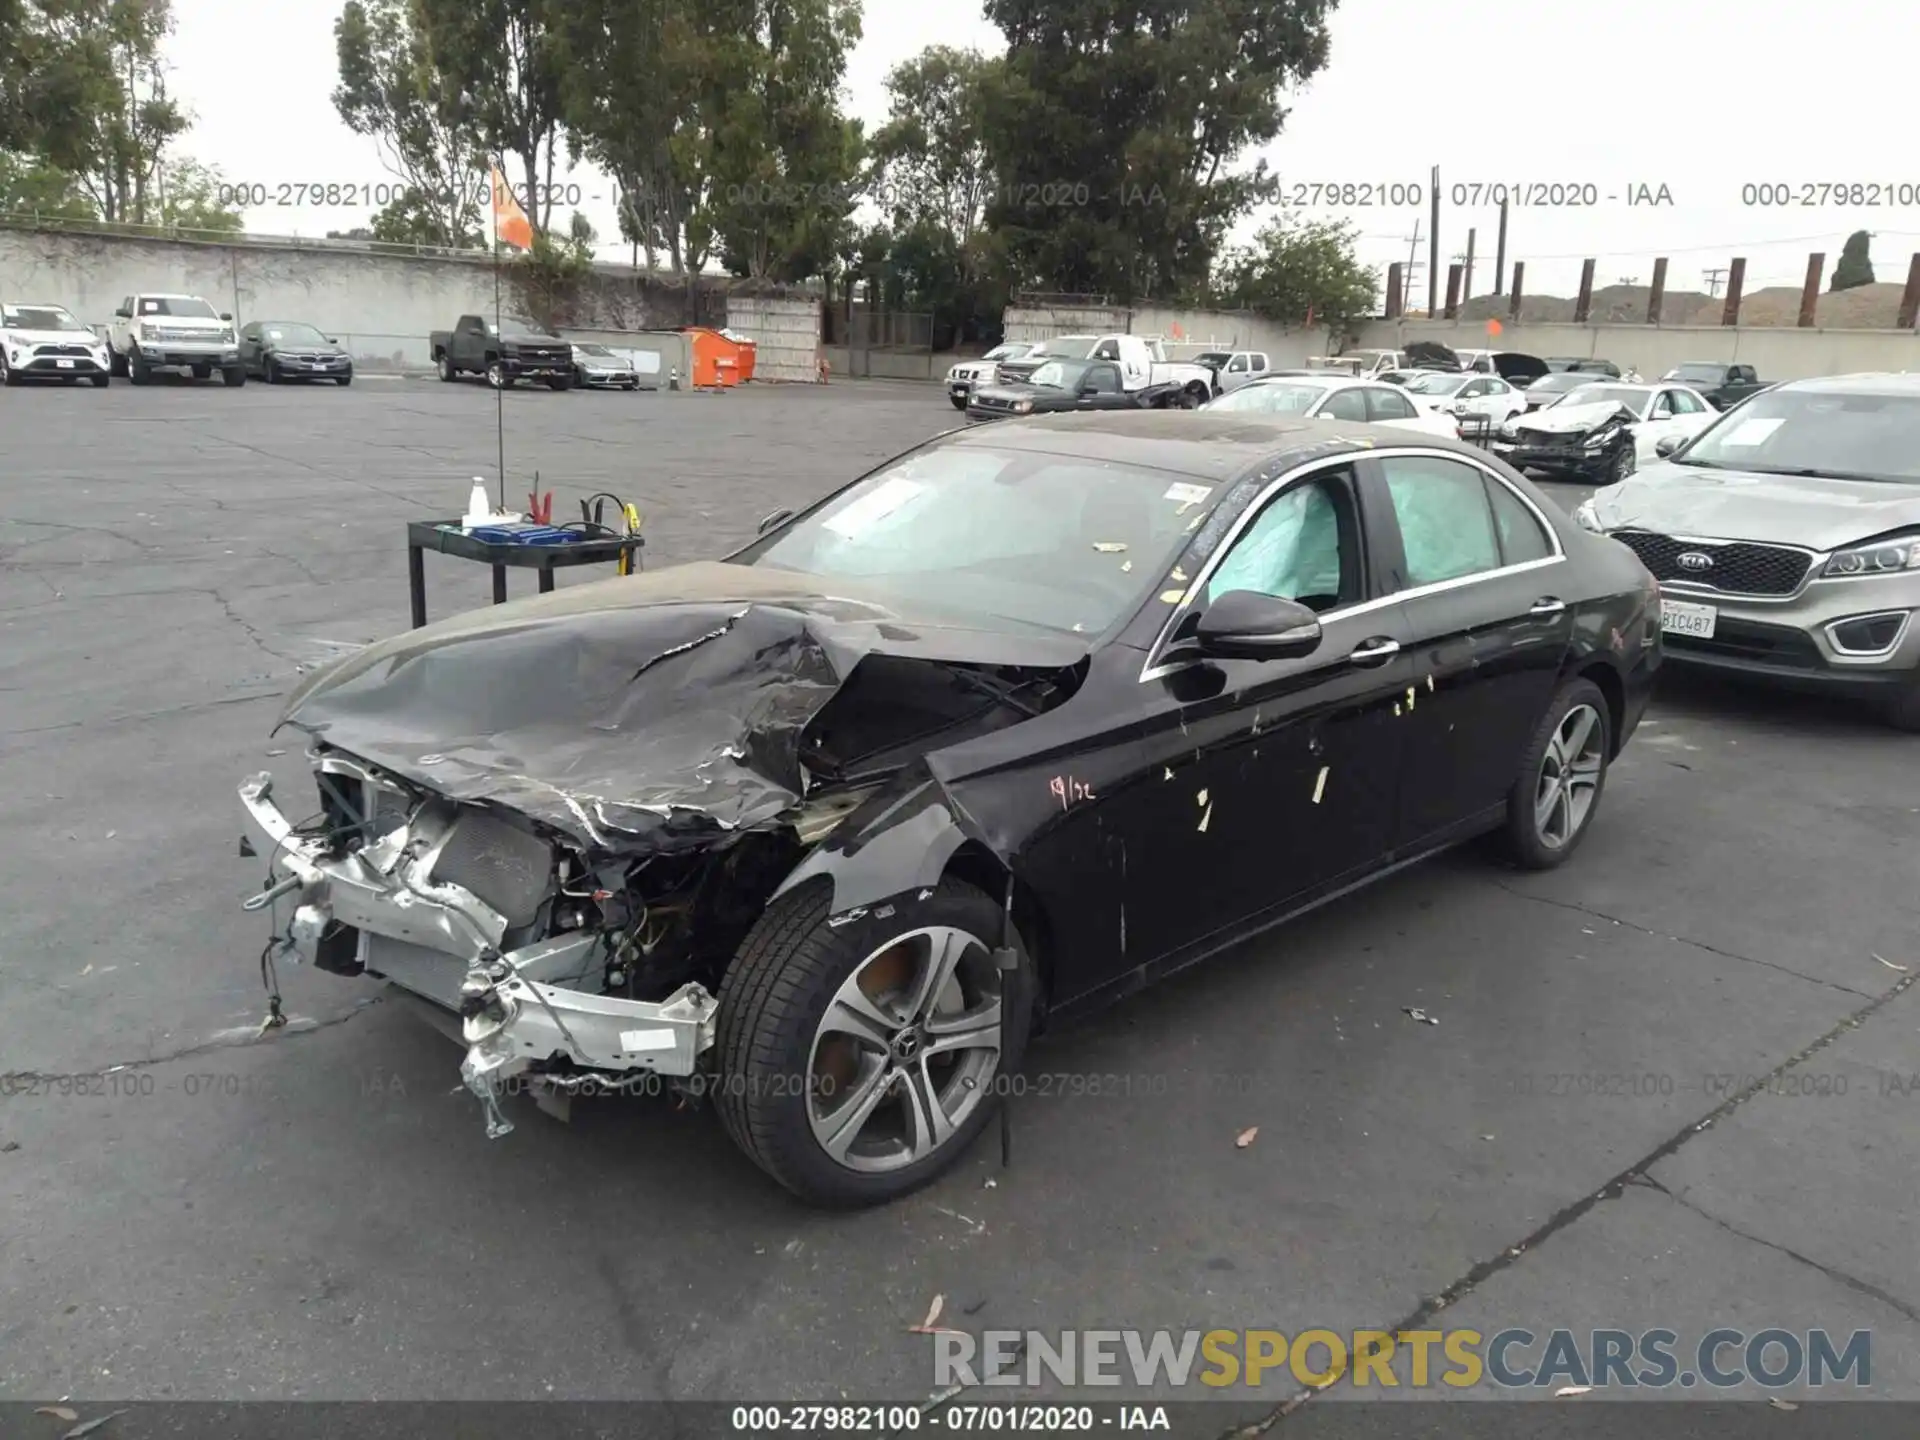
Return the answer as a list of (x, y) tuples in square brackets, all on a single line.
[(1778, 353), (381, 307), (785, 333), (1044, 323), (1775, 352), (1185, 332)]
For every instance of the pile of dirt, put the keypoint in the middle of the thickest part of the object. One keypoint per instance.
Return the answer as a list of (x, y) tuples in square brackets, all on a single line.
[(1867, 307), (1612, 305)]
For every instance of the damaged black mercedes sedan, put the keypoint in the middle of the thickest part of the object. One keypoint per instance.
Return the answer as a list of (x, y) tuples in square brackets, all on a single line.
[(1021, 720)]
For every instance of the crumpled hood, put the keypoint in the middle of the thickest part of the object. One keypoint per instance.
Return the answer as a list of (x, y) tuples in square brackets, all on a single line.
[(1742, 505), (1565, 419), (637, 711)]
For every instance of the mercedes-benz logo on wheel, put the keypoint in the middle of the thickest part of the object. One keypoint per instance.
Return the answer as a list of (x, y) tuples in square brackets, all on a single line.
[(1695, 560)]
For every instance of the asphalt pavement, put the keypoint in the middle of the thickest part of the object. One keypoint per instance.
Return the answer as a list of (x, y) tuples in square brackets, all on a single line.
[(315, 1213)]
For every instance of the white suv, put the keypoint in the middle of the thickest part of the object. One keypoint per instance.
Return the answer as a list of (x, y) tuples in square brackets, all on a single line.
[(182, 332)]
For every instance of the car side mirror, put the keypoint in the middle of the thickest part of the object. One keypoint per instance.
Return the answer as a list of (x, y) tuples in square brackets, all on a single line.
[(1667, 444), (123, 314), (226, 315), (778, 517), (333, 340), (1245, 625)]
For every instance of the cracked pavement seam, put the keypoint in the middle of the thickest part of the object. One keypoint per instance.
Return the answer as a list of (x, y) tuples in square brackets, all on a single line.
[(1852, 1282), (1634, 1174), (205, 1047), (1680, 940)]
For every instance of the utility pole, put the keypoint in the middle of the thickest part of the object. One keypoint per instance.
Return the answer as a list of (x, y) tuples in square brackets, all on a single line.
[(1433, 250), (1413, 264), (1500, 252), (1466, 286), (1713, 279)]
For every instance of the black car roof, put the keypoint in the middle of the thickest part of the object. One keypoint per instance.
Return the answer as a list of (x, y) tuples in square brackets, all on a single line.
[(1210, 446)]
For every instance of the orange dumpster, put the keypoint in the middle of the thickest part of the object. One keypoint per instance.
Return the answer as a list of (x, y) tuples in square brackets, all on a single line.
[(747, 351), (716, 359)]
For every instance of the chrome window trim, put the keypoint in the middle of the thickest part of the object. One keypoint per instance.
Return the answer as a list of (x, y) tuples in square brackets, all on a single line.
[(1154, 671), (1844, 656)]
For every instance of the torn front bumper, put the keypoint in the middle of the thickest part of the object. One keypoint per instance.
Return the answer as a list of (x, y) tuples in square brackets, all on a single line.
[(515, 1017)]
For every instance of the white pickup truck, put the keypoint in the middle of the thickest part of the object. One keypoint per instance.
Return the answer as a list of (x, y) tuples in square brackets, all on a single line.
[(1234, 368), (1143, 365)]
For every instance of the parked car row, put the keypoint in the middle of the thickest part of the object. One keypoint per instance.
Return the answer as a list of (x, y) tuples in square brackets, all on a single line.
[(155, 332)]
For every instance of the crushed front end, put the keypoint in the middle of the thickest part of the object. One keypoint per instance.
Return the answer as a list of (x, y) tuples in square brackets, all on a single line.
[(578, 976)]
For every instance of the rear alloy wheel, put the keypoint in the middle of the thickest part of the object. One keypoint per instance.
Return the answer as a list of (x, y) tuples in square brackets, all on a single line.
[(1561, 777), (858, 1061), (445, 366)]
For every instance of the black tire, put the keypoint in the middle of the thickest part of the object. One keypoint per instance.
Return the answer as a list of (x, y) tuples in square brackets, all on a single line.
[(202, 372), (1902, 709), (8, 375), (234, 376), (1192, 398), (444, 366), (116, 362), (563, 382), (343, 380), (1528, 842), (137, 371), (497, 376), (269, 372), (100, 381), (1625, 461), (959, 401), (787, 972)]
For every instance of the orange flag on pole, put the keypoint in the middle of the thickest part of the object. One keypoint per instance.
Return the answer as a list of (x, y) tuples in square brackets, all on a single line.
[(510, 223)]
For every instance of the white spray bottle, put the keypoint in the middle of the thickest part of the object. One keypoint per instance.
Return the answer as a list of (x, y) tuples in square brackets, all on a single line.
[(479, 507)]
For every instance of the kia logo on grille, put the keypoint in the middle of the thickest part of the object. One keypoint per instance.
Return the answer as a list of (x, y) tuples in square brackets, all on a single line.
[(1695, 560)]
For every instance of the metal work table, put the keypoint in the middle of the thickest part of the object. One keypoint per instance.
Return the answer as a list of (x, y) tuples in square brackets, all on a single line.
[(446, 537)]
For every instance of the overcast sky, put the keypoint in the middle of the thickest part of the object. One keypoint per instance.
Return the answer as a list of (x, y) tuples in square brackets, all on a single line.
[(1702, 98)]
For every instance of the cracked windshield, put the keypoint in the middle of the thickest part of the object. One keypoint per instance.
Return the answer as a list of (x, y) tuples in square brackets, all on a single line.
[(1003, 718)]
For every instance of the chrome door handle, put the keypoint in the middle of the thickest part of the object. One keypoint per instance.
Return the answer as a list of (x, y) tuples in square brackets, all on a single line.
[(1547, 605), (1374, 652)]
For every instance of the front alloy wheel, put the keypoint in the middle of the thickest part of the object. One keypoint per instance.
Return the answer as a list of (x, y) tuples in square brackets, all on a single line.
[(857, 1061), (1553, 799), (901, 1056), (1624, 463), (497, 375)]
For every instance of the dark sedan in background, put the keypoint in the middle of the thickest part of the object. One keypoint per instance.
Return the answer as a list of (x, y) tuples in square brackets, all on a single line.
[(280, 350), (1012, 725)]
